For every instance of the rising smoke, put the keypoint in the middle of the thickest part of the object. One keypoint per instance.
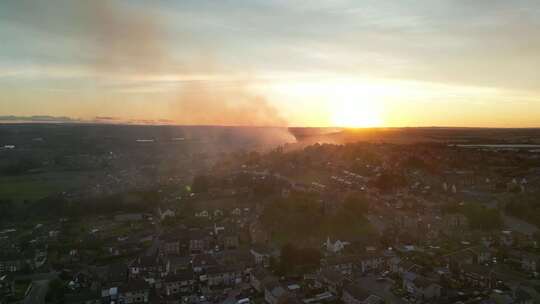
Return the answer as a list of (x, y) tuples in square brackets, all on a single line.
[(130, 40)]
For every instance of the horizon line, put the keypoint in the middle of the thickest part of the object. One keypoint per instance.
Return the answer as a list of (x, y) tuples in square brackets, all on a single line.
[(89, 122)]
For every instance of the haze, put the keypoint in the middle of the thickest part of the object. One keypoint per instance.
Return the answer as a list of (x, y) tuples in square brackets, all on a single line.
[(273, 63)]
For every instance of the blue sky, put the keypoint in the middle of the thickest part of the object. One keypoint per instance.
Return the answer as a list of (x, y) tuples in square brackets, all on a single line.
[(433, 62)]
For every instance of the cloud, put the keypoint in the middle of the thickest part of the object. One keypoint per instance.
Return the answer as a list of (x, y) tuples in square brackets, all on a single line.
[(127, 38), (124, 49), (123, 52), (37, 118), (108, 36)]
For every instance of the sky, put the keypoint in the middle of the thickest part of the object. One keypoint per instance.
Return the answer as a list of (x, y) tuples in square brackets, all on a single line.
[(357, 63)]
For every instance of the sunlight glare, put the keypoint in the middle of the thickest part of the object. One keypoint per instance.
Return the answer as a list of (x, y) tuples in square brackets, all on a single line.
[(356, 113)]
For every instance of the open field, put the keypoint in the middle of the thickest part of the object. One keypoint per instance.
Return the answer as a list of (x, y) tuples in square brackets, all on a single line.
[(37, 186)]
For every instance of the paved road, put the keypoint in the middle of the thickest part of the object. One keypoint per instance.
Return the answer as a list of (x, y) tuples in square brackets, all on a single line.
[(37, 293)]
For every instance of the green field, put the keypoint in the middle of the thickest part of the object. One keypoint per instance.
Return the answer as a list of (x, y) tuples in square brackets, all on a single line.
[(36, 186)]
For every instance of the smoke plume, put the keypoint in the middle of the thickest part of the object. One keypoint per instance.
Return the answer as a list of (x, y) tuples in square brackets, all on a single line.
[(127, 39), (132, 41), (234, 105)]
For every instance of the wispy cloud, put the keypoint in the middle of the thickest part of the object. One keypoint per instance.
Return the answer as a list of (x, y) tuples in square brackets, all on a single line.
[(167, 49)]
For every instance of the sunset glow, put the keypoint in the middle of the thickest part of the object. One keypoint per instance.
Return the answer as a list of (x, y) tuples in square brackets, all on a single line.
[(329, 63), (356, 114)]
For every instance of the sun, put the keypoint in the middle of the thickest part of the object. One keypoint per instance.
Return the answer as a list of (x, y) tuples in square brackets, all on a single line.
[(356, 114)]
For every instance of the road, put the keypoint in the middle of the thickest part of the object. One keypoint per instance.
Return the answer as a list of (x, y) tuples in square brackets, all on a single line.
[(37, 292)]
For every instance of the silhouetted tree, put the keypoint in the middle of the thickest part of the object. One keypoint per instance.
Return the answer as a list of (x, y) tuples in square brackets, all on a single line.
[(201, 183)]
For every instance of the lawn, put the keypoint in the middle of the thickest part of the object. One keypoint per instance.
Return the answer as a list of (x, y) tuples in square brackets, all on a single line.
[(36, 186)]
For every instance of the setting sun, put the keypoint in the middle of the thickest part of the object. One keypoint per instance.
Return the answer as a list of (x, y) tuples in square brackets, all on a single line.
[(356, 114)]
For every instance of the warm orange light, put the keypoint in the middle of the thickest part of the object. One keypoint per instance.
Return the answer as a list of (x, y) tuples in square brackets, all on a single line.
[(356, 114)]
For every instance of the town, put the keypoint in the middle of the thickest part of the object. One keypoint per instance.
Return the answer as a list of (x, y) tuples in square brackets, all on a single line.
[(352, 223)]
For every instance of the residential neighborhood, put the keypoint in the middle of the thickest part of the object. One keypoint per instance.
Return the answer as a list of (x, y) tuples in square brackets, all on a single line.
[(354, 223)]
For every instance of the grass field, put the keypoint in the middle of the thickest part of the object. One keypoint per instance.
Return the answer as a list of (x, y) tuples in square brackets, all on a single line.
[(36, 186)]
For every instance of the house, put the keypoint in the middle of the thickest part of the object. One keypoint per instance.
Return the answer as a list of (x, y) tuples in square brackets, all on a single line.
[(455, 221), (231, 240), (84, 278), (392, 264), (274, 292), (420, 287), (170, 246), (515, 239), (370, 261), (168, 213), (407, 266), (335, 247), (171, 243), (262, 254), (482, 253), (148, 266), (181, 282), (179, 263), (135, 291), (342, 264), (456, 259), (199, 241), (109, 294), (236, 212), (529, 262), (202, 262), (224, 276), (13, 261), (333, 279), (258, 277), (228, 237), (123, 248), (241, 258), (202, 213), (258, 233), (478, 276), (354, 294), (218, 213)]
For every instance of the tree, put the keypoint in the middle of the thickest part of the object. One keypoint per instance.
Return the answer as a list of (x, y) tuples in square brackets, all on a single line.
[(294, 259), (387, 182), (287, 258), (201, 183), (56, 292), (483, 218), (356, 205)]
